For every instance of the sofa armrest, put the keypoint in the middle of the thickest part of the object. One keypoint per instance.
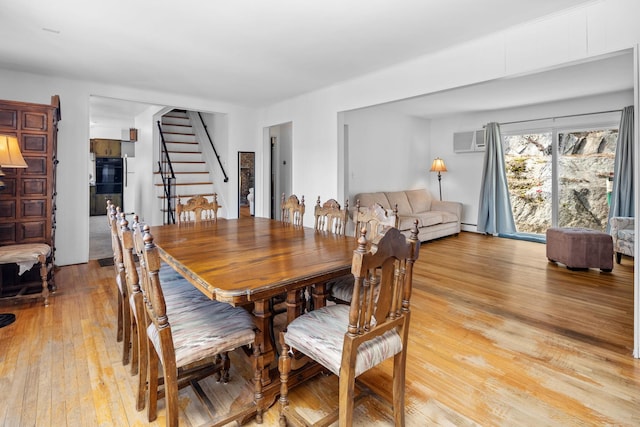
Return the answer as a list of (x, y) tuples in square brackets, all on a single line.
[(620, 223), (453, 207)]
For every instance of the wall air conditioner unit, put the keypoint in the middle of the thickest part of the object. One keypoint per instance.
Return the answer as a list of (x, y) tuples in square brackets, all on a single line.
[(468, 142)]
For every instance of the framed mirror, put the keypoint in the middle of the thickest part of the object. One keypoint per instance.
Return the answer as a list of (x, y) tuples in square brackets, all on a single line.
[(246, 183)]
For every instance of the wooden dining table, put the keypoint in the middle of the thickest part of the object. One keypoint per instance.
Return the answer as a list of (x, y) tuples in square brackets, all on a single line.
[(247, 261)]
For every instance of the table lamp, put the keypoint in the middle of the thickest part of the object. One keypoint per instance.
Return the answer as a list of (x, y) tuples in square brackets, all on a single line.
[(439, 166), (10, 155)]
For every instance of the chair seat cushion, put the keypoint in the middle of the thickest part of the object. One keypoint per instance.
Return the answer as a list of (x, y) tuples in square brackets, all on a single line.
[(177, 292), (25, 255), (320, 335), (174, 285), (203, 328), (342, 288)]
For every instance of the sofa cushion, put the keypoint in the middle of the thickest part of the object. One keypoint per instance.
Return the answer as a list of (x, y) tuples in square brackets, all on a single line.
[(429, 218), (368, 199), (449, 216), (399, 198), (420, 200), (405, 222)]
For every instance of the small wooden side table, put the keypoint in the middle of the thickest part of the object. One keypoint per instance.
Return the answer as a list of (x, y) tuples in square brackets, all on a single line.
[(26, 256)]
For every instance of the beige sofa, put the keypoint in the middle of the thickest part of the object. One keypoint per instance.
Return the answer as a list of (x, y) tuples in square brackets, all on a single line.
[(435, 218)]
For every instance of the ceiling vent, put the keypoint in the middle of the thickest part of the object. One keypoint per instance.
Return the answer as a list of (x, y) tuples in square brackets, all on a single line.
[(468, 142)]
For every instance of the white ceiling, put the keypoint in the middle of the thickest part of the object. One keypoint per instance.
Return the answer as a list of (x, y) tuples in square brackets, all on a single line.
[(248, 52)]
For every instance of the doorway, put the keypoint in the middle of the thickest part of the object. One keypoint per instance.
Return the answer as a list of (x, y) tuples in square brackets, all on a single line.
[(110, 151), (280, 145), (246, 183)]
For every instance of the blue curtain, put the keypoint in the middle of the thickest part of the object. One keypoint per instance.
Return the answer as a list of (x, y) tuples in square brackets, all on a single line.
[(622, 198), (494, 213)]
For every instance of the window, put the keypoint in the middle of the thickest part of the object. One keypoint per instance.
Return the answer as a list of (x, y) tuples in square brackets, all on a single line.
[(560, 176)]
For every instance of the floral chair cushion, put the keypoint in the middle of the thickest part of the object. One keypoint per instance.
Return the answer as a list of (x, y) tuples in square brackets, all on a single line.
[(202, 329), (342, 288), (320, 335), (199, 325)]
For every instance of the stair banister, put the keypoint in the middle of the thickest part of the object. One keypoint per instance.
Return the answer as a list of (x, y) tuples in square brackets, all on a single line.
[(166, 180), (226, 178)]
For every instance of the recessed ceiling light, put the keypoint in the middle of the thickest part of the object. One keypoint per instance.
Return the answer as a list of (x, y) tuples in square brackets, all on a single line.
[(51, 30)]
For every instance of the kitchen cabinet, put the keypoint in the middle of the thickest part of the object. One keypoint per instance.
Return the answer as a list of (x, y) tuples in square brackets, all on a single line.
[(106, 147)]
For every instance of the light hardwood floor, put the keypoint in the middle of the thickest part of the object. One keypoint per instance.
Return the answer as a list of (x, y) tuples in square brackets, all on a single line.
[(499, 337)]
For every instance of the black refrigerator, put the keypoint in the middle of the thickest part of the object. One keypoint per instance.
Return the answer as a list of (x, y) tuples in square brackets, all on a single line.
[(108, 185)]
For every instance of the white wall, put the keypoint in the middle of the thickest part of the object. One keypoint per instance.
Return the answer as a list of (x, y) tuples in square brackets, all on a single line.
[(72, 218), (217, 129), (405, 147), (400, 142), (588, 31), (594, 29), (583, 32)]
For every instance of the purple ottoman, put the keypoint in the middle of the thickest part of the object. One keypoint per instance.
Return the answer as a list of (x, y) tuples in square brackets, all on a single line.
[(580, 248)]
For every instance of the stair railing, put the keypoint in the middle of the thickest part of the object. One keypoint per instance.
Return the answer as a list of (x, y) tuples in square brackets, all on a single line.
[(226, 178), (168, 180)]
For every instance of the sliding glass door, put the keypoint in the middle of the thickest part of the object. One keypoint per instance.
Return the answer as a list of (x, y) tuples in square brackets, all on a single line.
[(585, 174), (529, 166), (560, 177)]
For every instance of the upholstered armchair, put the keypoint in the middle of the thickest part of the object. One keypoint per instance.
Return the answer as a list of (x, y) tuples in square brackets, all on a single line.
[(622, 232)]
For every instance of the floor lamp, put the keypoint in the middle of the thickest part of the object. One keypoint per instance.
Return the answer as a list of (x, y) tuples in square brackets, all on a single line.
[(439, 166), (10, 157)]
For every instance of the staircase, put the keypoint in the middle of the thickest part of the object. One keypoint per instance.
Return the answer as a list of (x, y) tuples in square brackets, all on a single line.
[(189, 166)]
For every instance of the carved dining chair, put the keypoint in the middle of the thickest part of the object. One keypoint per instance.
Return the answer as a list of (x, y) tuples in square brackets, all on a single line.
[(292, 210), (350, 340), (330, 217), (187, 338), (123, 331), (372, 219), (198, 209), (175, 287)]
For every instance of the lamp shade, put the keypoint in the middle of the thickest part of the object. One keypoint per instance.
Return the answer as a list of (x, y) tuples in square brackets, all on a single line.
[(10, 155), (438, 165)]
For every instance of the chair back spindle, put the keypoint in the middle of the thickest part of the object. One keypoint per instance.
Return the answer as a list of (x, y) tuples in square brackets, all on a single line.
[(373, 219), (330, 217), (292, 210), (198, 209)]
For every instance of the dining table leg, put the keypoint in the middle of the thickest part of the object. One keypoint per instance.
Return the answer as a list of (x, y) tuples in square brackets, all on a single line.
[(262, 315), (266, 376)]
